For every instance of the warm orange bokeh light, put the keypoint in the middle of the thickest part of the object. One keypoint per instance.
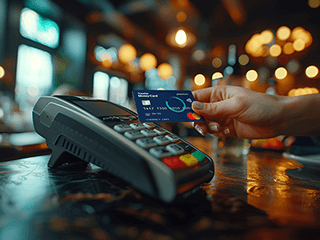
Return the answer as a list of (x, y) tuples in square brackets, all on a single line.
[(314, 3), (199, 79), (147, 61), (283, 33), (299, 45), (127, 53), (288, 48), (181, 38), (217, 75), (275, 50), (2, 72), (312, 71), (281, 73), (296, 40), (266, 37), (216, 62), (252, 75), (302, 34), (165, 70), (181, 16), (303, 91), (244, 59)]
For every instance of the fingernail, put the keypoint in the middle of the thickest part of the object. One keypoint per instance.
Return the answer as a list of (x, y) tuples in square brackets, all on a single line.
[(214, 128), (199, 130), (226, 131), (197, 105)]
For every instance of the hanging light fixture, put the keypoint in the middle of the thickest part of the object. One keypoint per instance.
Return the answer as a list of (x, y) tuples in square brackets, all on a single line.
[(181, 37)]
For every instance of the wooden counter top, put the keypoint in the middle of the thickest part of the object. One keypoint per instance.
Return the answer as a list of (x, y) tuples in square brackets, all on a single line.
[(249, 197)]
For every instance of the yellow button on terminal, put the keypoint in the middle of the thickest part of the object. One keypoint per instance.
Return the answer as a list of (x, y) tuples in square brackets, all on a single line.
[(189, 160)]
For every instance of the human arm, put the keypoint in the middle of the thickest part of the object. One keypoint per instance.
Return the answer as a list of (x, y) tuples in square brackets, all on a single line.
[(240, 112)]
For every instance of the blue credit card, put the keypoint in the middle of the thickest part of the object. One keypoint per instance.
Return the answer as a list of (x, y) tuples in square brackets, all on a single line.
[(165, 106)]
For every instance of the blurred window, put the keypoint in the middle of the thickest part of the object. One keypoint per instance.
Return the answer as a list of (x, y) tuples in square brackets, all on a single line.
[(39, 29), (34, 75), (119, 91), (101, 85)]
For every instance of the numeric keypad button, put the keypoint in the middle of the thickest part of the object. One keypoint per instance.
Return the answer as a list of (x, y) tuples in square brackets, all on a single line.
[(122, 128), (173, 138), (146, 142), (161, 140), (160, 131), (149, 133), (137, 126), (175, 149), (160, 152), (133, 135), (149, 125)]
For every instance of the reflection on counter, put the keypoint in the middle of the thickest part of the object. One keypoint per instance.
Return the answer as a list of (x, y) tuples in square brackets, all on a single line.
[(261, 179)]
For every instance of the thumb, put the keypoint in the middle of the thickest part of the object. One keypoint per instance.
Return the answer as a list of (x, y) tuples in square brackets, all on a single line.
[(225, 108)]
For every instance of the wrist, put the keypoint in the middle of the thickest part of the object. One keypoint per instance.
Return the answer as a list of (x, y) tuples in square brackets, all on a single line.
[(301, 115)]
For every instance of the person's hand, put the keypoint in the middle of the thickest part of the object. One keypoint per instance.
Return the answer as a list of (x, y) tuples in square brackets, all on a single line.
[(239, 112)]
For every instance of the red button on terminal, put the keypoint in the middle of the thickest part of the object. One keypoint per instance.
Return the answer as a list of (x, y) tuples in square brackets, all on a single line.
[(174, 162)]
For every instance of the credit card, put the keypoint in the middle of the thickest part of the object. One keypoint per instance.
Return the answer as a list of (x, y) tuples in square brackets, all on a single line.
[(165, 106)]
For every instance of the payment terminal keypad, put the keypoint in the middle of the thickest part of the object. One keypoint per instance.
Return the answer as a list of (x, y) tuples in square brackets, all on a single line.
[(164, 146)]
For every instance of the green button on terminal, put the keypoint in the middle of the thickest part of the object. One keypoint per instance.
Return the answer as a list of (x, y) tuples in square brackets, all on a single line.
[(198, 155)]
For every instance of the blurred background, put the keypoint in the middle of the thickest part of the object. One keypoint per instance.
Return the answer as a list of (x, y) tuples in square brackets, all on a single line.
[(107, 48)]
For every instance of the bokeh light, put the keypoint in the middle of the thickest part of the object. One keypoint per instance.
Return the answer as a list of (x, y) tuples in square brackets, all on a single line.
[(252, 75), (217, 75), (266, 37), (275, 50), (107, 62), (288, 48), (39, 29), (253, 46), (312, 71), (297, 32), (299, 45), (181, 38), (280, 73), (181, 16), (199, 79), (216, 62), (283, 33), (314, 3), (127, 53), (302, 34), (243, 59), (303, 91), (147, 61), (287, 42), (165, 70), (228, 71), (198, 55), (2, 72)]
